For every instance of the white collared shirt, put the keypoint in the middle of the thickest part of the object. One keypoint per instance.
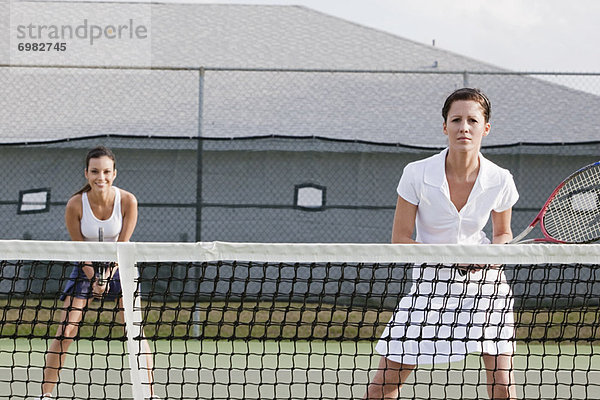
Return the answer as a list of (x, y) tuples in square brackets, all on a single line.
[(424, 184)]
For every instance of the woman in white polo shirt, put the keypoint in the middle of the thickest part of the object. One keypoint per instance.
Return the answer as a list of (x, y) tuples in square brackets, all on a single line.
[(449, 312)]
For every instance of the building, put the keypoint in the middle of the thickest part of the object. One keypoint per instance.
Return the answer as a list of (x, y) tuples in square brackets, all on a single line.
[(306, 123)]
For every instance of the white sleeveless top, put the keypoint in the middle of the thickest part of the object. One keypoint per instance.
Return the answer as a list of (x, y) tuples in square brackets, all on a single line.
[(90, 224)]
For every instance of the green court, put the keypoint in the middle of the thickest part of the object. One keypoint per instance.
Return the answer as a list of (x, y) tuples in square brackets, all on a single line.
[(287, 369)]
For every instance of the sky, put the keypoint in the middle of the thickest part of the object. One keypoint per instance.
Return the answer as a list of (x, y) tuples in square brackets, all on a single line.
[(521, 35)]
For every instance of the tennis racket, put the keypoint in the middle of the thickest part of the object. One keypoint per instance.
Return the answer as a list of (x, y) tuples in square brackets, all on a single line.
[(572, 212), (100, 266)]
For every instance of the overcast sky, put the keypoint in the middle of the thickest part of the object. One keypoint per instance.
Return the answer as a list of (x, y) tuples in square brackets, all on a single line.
[(523, 35)]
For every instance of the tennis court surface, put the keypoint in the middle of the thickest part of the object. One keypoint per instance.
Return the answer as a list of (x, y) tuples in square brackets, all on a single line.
[(239, 321)]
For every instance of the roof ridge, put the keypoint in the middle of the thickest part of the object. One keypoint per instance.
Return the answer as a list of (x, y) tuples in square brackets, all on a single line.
[(397, 37)]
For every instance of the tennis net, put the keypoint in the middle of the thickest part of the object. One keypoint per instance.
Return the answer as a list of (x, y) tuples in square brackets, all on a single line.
[(239, 321)]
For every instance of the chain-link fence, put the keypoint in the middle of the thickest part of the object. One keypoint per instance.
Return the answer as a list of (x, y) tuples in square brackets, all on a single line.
[(270, 155)]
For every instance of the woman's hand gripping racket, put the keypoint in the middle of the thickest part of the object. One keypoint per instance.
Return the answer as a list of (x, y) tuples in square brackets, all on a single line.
[(102, 273), (572, 212)]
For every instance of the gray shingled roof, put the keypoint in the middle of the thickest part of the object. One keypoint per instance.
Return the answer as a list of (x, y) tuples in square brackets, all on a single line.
[(263, 36), (376, 107)]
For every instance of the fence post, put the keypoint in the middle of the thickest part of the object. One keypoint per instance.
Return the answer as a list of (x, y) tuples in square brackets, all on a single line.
[(199, 182), (199, 157), (466, 79)]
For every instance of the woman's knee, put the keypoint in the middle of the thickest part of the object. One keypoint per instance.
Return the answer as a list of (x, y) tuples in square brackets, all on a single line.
[(391, 372), (67, 331), (500, 376)]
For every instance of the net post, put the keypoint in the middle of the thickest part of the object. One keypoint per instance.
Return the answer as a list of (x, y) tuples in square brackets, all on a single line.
[(133, 319)]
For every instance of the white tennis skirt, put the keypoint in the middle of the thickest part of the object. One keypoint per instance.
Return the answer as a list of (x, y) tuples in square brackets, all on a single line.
[(447, 315)]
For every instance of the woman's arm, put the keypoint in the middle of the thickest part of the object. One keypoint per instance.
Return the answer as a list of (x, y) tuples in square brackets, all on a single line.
[(73, 213), (501, 226), (129, 208), (404, 222), (73, 218)]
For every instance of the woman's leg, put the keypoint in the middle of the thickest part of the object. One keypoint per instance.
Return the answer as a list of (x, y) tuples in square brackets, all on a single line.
[(500, 376), (149, 364), (388, 380), (67, 330)]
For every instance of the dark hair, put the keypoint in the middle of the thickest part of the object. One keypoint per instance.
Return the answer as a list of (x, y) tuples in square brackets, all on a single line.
[(468, 94), (96, 152)]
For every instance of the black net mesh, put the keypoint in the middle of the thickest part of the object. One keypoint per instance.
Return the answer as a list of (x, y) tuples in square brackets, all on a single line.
[(247, 329)]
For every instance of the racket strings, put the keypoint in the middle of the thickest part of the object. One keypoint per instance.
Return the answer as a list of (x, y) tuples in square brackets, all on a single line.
[(573, 215)]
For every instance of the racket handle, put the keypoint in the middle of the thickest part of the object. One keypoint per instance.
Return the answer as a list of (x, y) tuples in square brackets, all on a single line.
[(521, 235), (100, 266)]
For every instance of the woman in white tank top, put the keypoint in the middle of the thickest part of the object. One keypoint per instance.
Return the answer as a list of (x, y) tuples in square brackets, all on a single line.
[(90, 224), (97, 205)]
